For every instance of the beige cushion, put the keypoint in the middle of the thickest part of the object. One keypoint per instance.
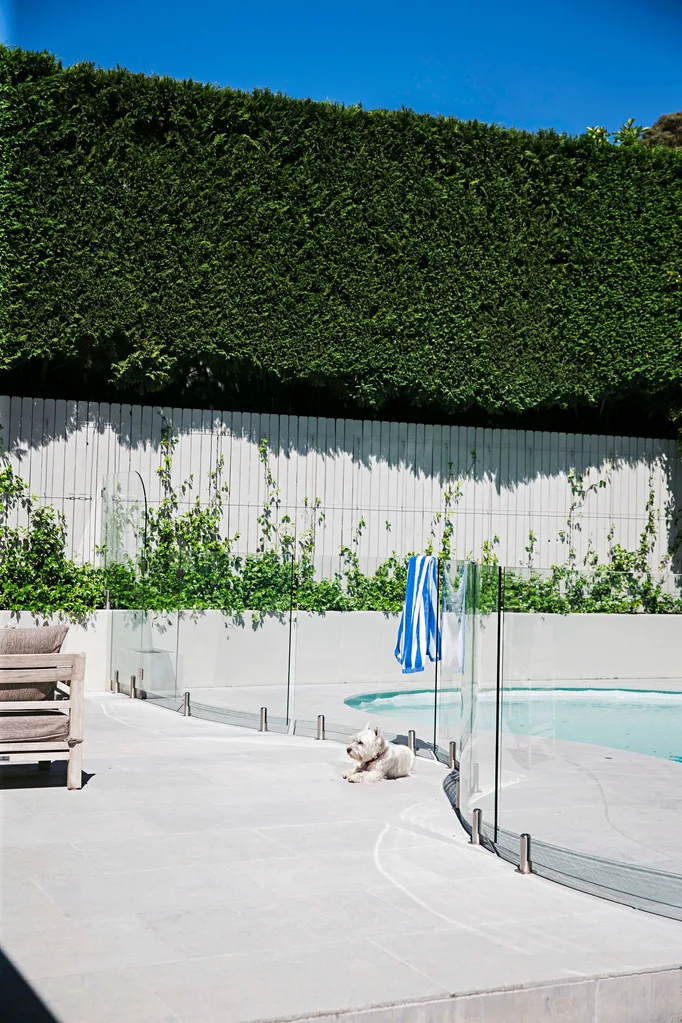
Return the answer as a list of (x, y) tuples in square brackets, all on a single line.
[(46, 639), (34, 726)]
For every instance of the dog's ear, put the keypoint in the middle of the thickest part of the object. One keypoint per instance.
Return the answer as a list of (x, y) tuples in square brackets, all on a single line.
[(377, 730), (368, 727)]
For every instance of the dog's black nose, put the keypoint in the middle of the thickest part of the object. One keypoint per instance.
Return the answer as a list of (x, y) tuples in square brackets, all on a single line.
[(348, 749)]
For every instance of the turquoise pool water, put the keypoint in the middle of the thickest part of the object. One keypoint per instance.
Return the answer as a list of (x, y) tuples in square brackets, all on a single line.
[(641, 721)]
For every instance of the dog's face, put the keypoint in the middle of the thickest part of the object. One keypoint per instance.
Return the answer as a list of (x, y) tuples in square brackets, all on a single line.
[(367, 744)]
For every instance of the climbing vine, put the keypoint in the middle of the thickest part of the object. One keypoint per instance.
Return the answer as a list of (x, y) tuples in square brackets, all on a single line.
[(178, 556)]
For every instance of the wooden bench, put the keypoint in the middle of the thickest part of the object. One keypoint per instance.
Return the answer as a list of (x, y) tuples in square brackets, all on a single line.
[(43, 729)]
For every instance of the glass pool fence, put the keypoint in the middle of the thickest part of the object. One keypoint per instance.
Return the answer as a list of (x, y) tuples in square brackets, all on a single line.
[(560, 688)]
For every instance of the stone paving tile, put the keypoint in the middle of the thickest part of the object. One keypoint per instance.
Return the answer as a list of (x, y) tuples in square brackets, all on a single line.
[(174, 820), (191, 848), (343, 836), (123, 796), (31, 862), (605, 931), (168, 888), (10, 812), (116, 996), (75, 827), (25, 901), (461, 959), (330, 872), (509, 898), (276, 924), (307, 979), (83, 946)]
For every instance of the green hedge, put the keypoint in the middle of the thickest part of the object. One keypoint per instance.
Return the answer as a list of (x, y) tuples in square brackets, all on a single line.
[(159, 235)]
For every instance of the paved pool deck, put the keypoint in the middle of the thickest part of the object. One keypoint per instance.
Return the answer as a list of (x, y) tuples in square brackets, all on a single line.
[(595, 800), (207, 874)]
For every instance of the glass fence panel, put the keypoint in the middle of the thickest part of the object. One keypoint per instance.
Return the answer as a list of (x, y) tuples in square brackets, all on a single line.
[(124, 523), (237, 659), (477, 744), (144, 648), (452, 672), (346, 668), (123, 543), (532, 770), (158, 657), (592, 725), (125, 650), (453, 664), (643, 887)]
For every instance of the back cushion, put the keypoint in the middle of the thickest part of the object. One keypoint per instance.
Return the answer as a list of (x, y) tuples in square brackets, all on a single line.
[(47, 639)]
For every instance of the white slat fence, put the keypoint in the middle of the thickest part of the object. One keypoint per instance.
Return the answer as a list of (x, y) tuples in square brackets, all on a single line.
[(391, 475)]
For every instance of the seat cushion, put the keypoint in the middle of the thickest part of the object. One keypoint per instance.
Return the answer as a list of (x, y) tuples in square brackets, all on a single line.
[(45, 639), (34, 726)]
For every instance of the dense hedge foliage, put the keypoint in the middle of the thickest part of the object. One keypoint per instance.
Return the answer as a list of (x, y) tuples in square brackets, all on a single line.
[(159, 235)]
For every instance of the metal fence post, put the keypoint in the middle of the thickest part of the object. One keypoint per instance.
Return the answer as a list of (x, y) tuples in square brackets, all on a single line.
[(132, 687), (476, 823), (320, 726), (452, 758), (263, 719), (185, 704), (525, 862), (412, 740)]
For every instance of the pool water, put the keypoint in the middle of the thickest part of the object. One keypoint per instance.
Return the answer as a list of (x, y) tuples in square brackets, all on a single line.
[(636, 720)]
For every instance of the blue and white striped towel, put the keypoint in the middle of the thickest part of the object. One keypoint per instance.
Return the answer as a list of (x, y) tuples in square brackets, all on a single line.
[(418, 634)]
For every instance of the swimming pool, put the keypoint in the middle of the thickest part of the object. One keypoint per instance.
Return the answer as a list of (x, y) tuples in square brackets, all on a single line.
[(641, 721)]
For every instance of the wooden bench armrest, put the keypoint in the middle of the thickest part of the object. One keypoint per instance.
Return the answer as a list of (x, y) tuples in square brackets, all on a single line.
[(77, 689), (38, 660)]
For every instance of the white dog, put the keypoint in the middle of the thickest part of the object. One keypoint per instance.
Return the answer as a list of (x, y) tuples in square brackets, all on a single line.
[(376, 759)]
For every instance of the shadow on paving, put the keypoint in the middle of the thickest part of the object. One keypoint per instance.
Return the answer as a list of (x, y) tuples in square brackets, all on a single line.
[(18, 1001), (29, 776)]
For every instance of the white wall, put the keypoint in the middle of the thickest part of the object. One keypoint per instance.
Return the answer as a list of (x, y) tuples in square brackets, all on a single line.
[(628, 651), (381, 472), (209, 649), (336, 647), (600, 649)]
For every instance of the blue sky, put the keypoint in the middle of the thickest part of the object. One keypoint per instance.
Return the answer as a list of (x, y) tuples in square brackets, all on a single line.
[(537, 63)]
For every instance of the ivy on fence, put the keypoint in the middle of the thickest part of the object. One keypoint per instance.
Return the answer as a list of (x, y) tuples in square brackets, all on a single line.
[(180, 559)]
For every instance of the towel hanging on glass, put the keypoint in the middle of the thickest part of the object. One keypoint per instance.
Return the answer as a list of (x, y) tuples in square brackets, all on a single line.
[(418, 633)]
